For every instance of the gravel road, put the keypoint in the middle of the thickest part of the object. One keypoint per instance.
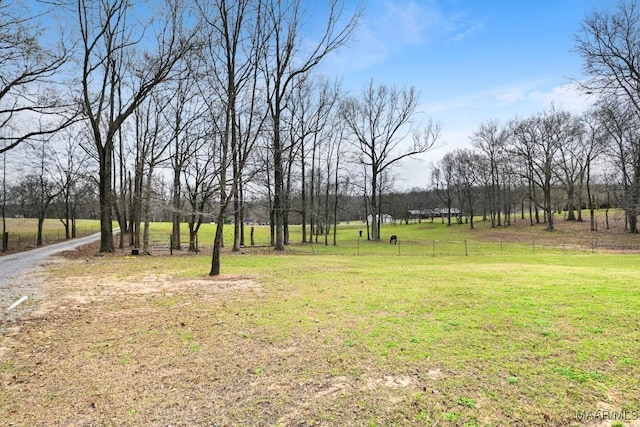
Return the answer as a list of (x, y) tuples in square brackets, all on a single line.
[(23, 273)]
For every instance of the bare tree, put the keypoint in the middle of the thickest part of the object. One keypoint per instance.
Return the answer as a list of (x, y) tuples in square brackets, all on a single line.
[(283, 62), (442, 182), (68, 173), (570, 166), (122, 62), (594, 139), (152, 140), (335, 156), (182, 115), (200, 182), (31, 79), (491, 139), (235, 43), (3, 206), (609, 44), (622, 127), (37, 186), (467, 171), (381, 122), (312, 106), (537, 142)]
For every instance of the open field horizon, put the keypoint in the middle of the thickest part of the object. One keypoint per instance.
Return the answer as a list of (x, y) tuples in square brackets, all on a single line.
[(427, 237)]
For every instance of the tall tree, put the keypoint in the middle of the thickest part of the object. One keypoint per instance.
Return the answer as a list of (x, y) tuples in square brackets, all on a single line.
[(622, 127), (312, 106), (468, 167), (122, 62), (39, 188), (537, 142), (70, 168), (570, 166), (594, 138), (609, 44), (235, 32), (200, 184), (381, 121), (289, 55), (491, 139), (152, 141), (183, 114), (442, 181)]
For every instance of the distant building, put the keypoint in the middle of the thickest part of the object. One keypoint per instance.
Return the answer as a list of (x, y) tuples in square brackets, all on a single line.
[(433, 213), (384, 219)]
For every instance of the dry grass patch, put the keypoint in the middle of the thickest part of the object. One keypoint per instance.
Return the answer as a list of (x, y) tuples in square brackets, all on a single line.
[(159, 350)]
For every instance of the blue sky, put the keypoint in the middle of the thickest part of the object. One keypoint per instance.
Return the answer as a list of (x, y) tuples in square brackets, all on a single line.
[(471, 60)]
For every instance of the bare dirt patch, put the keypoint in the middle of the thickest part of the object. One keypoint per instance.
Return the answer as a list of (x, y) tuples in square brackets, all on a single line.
[(102, 350)]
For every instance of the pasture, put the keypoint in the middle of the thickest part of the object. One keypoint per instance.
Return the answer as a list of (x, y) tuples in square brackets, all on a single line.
[(22, 232), (361, 334)]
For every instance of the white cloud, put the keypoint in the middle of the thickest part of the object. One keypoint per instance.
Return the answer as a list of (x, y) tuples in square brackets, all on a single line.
[(406, 22), (534, 95), (389, 28), (460, 27), (566, 96)]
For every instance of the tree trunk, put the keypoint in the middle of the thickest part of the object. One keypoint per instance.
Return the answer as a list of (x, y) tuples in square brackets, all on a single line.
[(278, 201), (237, 222), (217, 247), (40, 225), (193, 235), (176, 210), (375, 214), (106, 227)]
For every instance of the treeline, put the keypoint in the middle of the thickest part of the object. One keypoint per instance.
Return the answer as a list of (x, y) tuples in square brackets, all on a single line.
[(213, 110), (211, 104), (555, 152)]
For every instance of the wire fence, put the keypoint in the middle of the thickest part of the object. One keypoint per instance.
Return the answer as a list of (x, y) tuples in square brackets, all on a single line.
[(448, 248), (166, 246), (426, 248), (17, 242)]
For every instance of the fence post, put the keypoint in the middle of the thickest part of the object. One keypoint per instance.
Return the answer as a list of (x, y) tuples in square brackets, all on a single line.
[(466, 252), (170, 244)]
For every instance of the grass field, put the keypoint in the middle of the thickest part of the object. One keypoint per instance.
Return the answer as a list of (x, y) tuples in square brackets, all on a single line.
[(362, 334), (23, 231)]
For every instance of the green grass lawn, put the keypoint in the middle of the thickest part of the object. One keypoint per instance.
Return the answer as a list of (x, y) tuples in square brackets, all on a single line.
[(527, 338), (367, 334), (22, 232)]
